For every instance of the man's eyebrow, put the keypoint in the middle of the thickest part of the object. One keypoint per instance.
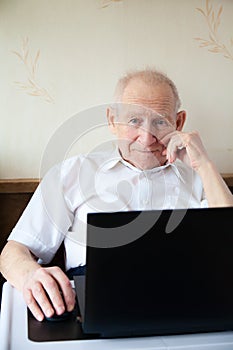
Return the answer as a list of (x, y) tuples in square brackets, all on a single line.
[(142, 110), (162, 115)]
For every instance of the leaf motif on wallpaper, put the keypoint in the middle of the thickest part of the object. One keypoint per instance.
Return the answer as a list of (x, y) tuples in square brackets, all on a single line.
[(213, 43), (31, 86), (106, 3)]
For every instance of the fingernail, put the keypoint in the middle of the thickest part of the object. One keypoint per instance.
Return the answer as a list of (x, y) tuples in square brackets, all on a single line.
[(39, 317), (60, 310), (70, 308)]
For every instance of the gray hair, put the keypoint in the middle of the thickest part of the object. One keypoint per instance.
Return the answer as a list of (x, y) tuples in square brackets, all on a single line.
[(149, 76)]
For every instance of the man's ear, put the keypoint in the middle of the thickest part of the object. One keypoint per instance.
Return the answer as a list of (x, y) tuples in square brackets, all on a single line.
[(180, 120), (111, 117)]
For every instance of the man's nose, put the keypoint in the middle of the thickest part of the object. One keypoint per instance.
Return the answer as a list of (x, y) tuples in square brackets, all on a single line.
[(146, 138)]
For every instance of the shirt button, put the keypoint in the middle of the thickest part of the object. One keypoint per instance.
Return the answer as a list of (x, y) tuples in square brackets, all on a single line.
[(177, 190), (145, 201)]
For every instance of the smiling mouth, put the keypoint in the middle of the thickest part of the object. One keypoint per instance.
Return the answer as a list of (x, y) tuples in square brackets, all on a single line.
[(146, 151)]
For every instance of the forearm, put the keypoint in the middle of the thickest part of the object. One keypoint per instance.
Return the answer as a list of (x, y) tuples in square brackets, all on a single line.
[(216, 190), (16, 263)]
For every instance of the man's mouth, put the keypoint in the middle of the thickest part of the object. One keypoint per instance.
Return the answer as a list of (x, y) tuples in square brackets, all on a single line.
[(149, 151)]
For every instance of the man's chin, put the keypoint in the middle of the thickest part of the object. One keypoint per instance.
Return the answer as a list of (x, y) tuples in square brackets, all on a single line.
[(145, 164), (150, 166), (150, 161)]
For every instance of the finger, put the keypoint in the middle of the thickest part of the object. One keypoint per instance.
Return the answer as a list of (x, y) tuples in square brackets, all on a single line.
[(55, 297), (32, 305), (47, 293), (42, 299), (69, 298), (175, 145), (168, 142), (65, 287), (166, 139), (164, 153)]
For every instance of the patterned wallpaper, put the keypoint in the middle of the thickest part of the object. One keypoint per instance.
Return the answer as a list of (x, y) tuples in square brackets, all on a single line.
[(62, 57), (31, 85), (213, 41)]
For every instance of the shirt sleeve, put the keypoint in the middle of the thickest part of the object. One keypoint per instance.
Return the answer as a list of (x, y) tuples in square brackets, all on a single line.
[(46, 219)]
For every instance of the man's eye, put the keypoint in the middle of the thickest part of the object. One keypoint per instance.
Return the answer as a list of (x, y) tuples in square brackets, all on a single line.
[(161, 123), (134, 121)]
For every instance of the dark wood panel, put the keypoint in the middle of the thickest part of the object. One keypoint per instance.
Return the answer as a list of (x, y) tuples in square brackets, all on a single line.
[(11, 208), (18, 185), (229, 180)]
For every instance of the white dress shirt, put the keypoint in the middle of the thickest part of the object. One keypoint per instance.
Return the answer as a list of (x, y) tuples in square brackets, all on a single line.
[(98, 182)]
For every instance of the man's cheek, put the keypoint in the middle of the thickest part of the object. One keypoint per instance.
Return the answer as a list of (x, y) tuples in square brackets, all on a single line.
[(131, 134)]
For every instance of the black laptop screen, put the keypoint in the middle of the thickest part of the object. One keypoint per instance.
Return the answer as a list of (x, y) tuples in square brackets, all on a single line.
[(160, 283)]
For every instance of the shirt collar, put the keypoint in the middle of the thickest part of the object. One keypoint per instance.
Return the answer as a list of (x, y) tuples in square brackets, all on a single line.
[(115, 158)]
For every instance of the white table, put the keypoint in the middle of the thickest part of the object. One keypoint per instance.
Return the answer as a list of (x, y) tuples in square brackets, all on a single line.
[(13, 334)]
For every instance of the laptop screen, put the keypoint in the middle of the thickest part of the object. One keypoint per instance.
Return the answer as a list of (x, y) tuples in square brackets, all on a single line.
[(159, 272)]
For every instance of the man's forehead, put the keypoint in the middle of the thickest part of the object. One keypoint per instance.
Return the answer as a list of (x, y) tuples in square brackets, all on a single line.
[(137, 109), (139, 87), (156, 97)]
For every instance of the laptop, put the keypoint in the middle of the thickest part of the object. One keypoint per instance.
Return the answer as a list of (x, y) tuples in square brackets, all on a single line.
[(170, 272)]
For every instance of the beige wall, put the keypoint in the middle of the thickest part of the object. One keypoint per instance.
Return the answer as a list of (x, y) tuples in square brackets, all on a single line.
[(85, 45)]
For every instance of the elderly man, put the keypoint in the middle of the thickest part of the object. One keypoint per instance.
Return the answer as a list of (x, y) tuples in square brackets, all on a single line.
[(155, 165)]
